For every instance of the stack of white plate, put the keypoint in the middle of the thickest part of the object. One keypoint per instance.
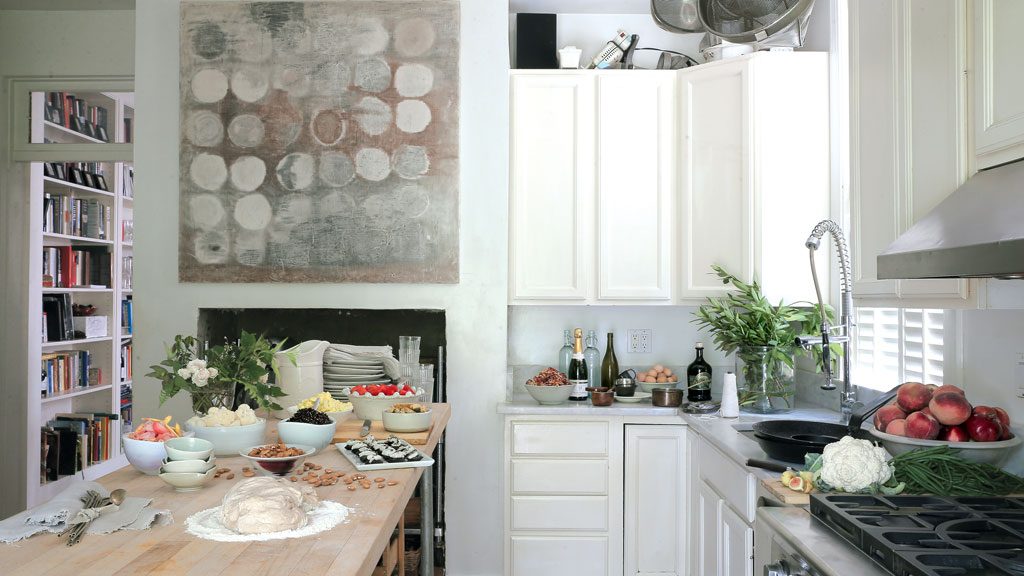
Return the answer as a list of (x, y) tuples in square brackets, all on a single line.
[(340, 375)]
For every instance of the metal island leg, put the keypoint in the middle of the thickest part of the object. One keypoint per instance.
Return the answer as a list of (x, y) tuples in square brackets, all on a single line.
[(427, 522)]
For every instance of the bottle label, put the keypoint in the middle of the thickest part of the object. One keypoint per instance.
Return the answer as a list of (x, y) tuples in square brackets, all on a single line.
[(579, 389), (701, 381)]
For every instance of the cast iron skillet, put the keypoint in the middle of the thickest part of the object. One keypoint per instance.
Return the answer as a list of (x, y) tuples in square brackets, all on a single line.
[(790, 440)]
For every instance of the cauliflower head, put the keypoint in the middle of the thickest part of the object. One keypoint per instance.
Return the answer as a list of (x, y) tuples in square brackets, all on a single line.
[(853, 465)]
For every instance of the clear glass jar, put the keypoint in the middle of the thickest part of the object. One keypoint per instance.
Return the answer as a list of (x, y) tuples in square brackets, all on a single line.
[(765, 379)]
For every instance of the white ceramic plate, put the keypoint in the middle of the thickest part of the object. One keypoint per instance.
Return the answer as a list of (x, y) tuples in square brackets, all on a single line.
[(353, 377), (350, 371), (341, 362), (637, 396), (427, 461)]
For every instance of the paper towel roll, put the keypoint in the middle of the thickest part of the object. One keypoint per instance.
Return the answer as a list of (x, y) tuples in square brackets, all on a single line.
[(730, 397)]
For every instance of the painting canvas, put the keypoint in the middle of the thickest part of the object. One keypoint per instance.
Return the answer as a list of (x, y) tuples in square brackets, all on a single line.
[(319, 142)]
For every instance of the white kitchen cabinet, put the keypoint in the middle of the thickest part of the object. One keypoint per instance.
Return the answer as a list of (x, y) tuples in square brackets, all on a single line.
[(998, 87), (736, 544), (725, 505), (655, 515), (592, 496), (753, 172), (591, 186), (908, 135), (708, 520)]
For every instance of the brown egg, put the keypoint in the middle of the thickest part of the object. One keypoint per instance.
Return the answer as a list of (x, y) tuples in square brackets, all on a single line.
[(659, 368), (652, 372), (667, 372), (662, 379), (673, 379)]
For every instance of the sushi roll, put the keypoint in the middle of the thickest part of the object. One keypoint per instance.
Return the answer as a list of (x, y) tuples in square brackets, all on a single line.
[(375, 459), (355, 445), (413, 456)]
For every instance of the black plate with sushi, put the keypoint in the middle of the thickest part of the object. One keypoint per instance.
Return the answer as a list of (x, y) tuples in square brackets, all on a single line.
[(371, 453)]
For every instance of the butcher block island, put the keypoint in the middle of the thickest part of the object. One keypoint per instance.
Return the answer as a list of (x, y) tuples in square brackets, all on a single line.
[(353, 548)]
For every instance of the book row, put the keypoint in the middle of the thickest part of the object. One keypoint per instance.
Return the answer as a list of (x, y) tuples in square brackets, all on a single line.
[(76, 267), (88, 174), (76, 114), (68, 215), (67, 371), (74, 441)]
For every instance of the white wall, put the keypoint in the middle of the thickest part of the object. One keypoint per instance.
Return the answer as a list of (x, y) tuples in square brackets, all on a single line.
[(35, 43), (476, 311)]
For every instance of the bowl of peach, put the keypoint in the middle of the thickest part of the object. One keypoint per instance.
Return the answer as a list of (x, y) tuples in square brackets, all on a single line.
[(925, 415)]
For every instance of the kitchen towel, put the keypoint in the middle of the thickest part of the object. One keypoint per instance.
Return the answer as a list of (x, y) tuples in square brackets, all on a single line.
[(133, 514), (342, 352)]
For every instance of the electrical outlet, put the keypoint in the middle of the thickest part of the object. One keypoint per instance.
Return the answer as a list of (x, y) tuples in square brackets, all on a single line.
[(641, 340), (1018, 374)]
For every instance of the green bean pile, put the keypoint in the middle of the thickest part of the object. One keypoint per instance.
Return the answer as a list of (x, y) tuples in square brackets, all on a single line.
[(941, 471)]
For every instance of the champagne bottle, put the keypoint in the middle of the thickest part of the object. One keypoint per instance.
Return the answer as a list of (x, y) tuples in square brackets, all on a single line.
[(592, 355), (610, 365), (565, 354), (698, 377), (578, 368)]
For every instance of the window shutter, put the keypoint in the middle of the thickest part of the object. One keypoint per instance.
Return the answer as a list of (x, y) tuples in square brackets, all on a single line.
[(894, 345)]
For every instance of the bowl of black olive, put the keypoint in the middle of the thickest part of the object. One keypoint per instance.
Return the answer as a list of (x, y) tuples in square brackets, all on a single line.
[(308, 426)]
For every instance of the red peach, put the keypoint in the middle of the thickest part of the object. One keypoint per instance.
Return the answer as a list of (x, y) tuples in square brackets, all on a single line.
[(987, 411), (926, 410), (983, 429), (887, 414), (950, 408), (954, 434), (913, 396), (1004, 418), (922, 426), (950, 388), (897, 427)]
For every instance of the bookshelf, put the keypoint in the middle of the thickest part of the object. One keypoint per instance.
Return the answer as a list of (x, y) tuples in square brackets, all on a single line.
[(80, 238)]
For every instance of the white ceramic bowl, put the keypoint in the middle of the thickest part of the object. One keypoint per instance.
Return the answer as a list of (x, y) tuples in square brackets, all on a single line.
[(368, 407), (187, 481), (336, 416), (186, 466), (549, 395), (650, 386), (278, 466), (315, 435), (994, 453), (228, 440), (146, 457), (188, 448), (407, 421)]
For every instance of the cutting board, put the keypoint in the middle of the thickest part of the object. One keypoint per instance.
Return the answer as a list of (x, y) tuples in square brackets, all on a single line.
[(785, 495), (349, 430)]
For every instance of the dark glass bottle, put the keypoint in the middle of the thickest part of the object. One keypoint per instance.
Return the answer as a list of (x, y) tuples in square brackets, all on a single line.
[(610, 364), (577, 372), (698, 377)]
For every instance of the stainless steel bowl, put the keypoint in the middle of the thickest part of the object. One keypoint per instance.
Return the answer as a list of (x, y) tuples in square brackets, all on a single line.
[(667, 397)]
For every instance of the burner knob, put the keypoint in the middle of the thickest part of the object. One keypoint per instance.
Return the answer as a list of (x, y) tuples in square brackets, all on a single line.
[(780, 568)]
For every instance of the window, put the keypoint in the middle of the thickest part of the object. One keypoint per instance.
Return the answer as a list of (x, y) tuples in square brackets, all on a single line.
[(894, 345)]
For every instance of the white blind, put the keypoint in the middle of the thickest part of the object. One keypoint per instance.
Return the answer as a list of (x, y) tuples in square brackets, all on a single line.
[(894, 345)]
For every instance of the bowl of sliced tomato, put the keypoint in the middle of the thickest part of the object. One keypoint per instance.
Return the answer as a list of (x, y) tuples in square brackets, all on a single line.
[(370, 401)]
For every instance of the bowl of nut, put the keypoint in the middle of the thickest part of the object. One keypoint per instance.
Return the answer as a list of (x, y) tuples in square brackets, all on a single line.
[(277, 459), (549, 387), (404, 417)]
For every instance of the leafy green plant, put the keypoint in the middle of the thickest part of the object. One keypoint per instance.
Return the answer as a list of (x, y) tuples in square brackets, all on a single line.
[(246, 363), (746, 318)]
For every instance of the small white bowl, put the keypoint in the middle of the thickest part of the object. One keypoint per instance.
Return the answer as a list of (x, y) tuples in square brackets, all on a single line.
[(278, 466), (407, 421), (187, 481), (550, 395), (336, 416), (145, 456), (367, 407), (228, 440), (188, 449), (315, 435), (189, 466)]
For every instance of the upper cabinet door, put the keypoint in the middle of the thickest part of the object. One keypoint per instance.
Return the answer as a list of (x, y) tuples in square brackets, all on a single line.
[(715, 192), (635, 172), (552, 183), (998, 82)]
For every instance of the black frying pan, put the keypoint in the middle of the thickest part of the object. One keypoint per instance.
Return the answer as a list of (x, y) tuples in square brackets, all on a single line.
[(790, 440)]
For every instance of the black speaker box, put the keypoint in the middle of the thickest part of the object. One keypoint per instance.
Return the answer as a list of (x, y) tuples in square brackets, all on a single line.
[(535, 41)]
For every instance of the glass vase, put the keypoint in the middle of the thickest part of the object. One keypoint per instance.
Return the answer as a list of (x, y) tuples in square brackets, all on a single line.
[(219, 395), (765, 380)]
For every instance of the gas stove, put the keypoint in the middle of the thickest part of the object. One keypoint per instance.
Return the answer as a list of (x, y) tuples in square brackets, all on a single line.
[(930, 535)]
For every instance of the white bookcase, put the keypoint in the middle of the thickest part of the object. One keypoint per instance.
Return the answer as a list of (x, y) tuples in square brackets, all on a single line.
[(105, 395)]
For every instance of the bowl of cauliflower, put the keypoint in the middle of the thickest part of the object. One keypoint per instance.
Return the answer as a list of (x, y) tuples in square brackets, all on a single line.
[(229, 430)]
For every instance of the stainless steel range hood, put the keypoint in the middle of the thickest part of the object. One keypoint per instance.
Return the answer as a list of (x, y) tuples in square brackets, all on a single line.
[(978, 231)]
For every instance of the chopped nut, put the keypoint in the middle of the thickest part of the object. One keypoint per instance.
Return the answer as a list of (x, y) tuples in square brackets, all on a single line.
[(223, 470), (392, 482), (294, 478), (378, 479), (249, 473), (351, 487), (230, 476), (381, 485)]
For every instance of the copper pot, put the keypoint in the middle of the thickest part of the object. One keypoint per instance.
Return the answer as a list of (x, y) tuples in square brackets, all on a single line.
[(666, 397), (601, 396)]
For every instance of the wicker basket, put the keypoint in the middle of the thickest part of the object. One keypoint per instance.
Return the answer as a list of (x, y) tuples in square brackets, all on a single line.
[(412, 560)]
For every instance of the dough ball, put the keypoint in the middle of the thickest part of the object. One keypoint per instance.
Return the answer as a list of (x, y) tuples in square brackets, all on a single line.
[(262, 505)]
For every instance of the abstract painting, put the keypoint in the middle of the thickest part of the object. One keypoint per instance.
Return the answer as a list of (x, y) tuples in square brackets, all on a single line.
[(319, 141)]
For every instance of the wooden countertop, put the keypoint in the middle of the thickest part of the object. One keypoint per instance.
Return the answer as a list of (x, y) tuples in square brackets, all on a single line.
[(350, 549)]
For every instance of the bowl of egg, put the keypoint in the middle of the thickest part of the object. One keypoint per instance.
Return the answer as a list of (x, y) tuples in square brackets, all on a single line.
[(657, 376)]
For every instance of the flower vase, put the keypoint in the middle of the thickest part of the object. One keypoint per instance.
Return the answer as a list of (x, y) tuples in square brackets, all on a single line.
[(765, 379), (219, 395)]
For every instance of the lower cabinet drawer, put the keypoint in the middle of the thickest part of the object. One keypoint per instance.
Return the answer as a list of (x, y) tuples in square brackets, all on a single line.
[(736, 485), (541, 476), (578, 513), (559, 556)]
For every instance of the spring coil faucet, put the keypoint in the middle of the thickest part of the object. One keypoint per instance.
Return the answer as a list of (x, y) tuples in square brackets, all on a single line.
[(848, 397)]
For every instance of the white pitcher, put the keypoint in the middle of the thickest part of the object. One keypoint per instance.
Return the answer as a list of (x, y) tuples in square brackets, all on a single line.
[(303, 379)]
